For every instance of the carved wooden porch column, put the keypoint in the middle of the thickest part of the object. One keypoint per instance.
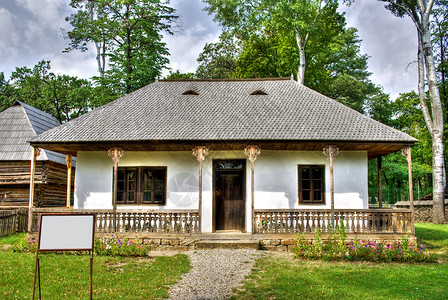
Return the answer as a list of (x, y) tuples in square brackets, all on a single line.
[(331, 151), (115, 153), (406, 152), (35, 152), (252, 152), (380, 191), (200, 152), (68, 160)]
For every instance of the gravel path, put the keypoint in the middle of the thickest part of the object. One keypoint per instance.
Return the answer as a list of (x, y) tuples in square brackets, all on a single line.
[(214, 273)]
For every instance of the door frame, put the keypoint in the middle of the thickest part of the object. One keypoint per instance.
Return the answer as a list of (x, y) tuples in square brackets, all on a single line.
[(244, 185)]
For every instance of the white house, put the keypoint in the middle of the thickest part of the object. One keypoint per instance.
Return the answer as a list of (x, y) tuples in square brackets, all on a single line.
[(268, 155)]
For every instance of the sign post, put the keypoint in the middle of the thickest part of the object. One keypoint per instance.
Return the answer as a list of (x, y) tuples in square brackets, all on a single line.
[(65, 232)]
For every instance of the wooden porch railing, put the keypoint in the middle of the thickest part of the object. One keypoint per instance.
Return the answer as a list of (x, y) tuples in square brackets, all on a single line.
[(371, 221), (134, 221)]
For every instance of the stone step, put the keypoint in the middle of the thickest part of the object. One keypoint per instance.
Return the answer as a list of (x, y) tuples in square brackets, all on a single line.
[(228, 244)]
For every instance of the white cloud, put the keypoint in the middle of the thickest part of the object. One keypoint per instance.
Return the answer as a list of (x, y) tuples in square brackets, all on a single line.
[(197, 29), (9, 36), (389, 41)]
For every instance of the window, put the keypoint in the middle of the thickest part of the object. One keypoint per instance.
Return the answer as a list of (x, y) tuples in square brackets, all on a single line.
[(141, 185), (311, 184)]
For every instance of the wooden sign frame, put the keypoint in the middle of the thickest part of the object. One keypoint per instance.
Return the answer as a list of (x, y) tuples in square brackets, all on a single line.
[(65, 232)]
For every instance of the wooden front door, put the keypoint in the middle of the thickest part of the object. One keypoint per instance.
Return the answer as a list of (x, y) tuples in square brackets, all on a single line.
[(229, 191)]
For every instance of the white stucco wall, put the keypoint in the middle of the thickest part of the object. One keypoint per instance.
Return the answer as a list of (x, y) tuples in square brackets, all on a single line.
[(276, 183), (276, 179)]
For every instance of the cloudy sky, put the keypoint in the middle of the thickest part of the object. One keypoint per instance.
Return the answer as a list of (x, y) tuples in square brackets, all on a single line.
[(30, 30)]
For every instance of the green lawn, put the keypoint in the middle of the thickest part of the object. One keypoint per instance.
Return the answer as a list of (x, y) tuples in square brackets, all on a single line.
[(288, 278), (67, 276), (434, 237), (274, 277)]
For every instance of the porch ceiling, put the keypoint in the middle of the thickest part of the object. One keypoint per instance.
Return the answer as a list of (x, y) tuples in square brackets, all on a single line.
[(374, 149)]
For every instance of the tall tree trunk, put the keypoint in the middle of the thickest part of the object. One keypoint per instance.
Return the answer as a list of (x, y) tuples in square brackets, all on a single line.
[(437, 116), (98, 45), (301, 44), (435, 124)]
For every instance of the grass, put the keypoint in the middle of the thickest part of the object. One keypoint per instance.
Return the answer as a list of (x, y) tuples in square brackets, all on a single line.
[(433, 237), (282, 278), (287, 278), (67, 276), (11, 239)]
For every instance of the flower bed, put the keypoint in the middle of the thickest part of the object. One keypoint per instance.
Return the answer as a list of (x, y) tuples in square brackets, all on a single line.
[(110, 246), (338, 248)]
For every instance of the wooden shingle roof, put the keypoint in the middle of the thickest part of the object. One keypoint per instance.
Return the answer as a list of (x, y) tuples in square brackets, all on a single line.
[(18, 124), (223, 110)]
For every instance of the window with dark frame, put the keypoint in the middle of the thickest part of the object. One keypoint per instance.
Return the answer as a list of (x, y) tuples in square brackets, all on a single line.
[(141, 185), (311, 184)]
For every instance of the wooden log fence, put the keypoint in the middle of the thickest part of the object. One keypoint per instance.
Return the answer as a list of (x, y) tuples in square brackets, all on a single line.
[(371, 221), (13, 220), (135, 221)]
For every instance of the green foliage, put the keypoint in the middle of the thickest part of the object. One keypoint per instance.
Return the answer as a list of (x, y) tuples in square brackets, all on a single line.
[(11, 239), (179, 75), (338, 248), (24, 244), (218, 60), (408, 117), (266, 38), (6, 93), (63, 96), (127, 34)]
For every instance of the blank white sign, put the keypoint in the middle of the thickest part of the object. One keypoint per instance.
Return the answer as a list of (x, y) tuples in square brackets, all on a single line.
[(66, 232)]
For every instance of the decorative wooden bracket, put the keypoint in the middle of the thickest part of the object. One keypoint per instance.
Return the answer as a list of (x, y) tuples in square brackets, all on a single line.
[(68, 161), (115, 154), (406, 152), (331, 151), (200, 152), (252, 152)]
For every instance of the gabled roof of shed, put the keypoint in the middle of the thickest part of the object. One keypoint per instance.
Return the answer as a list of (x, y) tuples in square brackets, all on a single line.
[(220, 110), (18, 124)]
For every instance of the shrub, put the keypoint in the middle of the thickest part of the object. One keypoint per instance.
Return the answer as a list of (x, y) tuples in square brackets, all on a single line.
[(337, 248), (25, 244)]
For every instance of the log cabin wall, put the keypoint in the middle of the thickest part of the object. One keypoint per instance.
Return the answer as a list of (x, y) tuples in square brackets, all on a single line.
[(50, 184)]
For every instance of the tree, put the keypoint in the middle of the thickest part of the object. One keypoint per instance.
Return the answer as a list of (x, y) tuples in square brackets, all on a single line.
[(336, 68), (63, 96), (218, 60), (311, 23), (179, 75), (6, 93), (440, 41), (420, 12), (126, 33)]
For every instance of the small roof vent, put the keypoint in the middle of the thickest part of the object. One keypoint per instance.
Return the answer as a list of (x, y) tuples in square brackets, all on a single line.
[(190, 92), (258, 92)]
